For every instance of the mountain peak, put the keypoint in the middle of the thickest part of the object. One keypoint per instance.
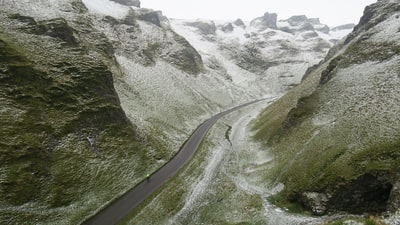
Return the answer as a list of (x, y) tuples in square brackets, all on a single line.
[(266, 21)]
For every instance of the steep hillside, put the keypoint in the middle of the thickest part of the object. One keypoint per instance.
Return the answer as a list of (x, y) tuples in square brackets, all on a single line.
[(95, 94), (335, 137), (265, 53), (67, 147)]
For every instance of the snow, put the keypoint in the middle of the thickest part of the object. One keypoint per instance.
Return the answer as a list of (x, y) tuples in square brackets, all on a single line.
[(200, 187), (339, 34), (107, 8), (210, 49)]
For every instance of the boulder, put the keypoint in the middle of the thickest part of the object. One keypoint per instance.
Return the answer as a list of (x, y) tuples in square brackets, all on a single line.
[(205, 28), (266, 21), (297, 20), (316, 202), (227, 28), (239, 23)]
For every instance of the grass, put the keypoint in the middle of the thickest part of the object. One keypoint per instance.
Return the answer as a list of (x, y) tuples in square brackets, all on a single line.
[(322, 157), (218, 204), (48, 172)]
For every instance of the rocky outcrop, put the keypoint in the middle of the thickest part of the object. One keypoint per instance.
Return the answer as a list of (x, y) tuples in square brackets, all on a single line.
[(300, 24), (227, 28), (205, 28), (239, 23), (135, 3), (149, 15), (266, 21), (298, 20)]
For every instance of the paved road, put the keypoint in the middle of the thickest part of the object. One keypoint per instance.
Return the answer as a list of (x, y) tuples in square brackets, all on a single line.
[(117, 210)]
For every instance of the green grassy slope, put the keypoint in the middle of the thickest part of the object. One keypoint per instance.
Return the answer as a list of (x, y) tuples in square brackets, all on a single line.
[(55, 97), (337, 133)]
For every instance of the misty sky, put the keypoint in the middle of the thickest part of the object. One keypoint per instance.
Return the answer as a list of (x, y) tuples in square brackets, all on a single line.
[(331, 12)]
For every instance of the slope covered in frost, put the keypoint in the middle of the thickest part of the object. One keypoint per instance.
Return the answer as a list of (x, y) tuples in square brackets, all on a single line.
[(334, 137), (97, 93)]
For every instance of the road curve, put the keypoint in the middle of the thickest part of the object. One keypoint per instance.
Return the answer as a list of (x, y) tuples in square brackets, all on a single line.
[(121, 207)]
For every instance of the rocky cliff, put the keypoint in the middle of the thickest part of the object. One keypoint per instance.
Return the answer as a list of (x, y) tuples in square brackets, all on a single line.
[(335, 137)]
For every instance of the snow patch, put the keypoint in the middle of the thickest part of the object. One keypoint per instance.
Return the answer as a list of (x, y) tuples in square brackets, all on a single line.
[(107, 8)]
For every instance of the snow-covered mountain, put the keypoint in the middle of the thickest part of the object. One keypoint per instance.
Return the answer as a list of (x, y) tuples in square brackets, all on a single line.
[(97, 92), (265, 52)]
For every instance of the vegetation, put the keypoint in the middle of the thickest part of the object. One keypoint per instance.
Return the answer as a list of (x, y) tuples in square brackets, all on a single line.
[(337, 136), (66, 145)]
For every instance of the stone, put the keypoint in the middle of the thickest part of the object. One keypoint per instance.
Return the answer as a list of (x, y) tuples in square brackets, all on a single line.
[(316, 202), (266, 21), (227, 28), (239, 23)]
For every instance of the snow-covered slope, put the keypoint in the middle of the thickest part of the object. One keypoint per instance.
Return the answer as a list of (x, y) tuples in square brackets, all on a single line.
[(335, 137), (266, 53)]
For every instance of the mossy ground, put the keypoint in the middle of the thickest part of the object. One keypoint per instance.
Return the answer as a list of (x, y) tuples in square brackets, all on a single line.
[(52, 100)]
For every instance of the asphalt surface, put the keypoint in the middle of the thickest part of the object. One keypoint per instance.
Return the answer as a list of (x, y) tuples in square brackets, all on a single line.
[(120, 208)]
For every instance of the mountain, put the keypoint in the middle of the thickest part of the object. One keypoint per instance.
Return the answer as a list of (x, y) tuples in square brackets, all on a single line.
[(335, 136), (96, 94), (269, 53)]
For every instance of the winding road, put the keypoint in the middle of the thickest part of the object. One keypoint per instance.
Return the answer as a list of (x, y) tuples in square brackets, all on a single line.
[(120, 208)]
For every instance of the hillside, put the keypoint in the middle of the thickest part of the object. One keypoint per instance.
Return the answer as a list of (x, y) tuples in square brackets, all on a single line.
[(335, 137), (96, 94)]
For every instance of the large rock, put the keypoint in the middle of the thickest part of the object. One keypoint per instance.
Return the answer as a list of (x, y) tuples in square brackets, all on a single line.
[(239, 23), (149, 16), (266, 21), (227, 27), (316, 202), (297, 20), (205, 28)]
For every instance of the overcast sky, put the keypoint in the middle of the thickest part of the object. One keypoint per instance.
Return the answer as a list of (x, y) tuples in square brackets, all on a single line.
[(331, 12)]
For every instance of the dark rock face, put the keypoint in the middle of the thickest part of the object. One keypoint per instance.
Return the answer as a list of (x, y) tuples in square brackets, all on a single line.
[(185, 58), (56, 28), (24, 19), (227, 28), (149, 16), (239, 22), (135, 3), (368, 193), (203, 27)]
